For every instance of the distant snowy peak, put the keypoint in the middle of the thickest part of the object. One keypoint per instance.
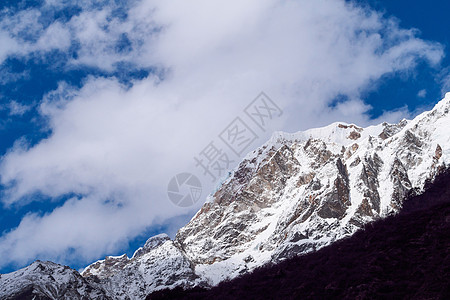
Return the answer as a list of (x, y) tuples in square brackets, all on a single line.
[(151, 244), (160, 263), (106, 267), (47, 280), (111, 264)]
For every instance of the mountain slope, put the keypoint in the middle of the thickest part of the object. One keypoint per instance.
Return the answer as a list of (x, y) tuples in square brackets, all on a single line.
[(300, 192), (406, 256), (295, 194)]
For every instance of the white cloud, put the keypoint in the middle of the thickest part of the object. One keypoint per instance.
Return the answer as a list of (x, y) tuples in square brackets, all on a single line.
[(22, 34), (17, 109), (56, 36), (422, 93), (7, 46), (117, 147)]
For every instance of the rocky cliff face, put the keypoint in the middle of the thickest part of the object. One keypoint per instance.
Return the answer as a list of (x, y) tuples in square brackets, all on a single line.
[(295, 194)]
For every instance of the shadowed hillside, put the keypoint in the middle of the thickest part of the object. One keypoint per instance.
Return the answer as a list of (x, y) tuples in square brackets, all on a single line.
[(406, 256)]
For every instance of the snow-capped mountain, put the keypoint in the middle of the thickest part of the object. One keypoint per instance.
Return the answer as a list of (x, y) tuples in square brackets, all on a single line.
[(47, 280), (302, 191), (160, 263), (295, 194)]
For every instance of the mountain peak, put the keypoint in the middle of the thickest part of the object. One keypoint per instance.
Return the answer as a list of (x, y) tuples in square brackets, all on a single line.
[(48, 280), (444, 103), (152, 243)]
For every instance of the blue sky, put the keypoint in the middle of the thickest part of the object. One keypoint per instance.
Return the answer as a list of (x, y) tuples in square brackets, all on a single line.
[(100, 105), (431, 19)]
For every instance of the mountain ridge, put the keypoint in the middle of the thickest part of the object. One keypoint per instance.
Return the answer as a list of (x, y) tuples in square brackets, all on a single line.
[(295, 194)]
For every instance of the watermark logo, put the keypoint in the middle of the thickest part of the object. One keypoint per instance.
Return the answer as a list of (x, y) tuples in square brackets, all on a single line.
[(184, 189), (233, 142)]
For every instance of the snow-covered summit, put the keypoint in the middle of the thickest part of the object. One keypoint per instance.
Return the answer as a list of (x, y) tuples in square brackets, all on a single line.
[(151, 243)]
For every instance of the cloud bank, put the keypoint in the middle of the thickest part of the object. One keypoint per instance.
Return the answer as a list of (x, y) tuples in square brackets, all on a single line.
[(113, 148)]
